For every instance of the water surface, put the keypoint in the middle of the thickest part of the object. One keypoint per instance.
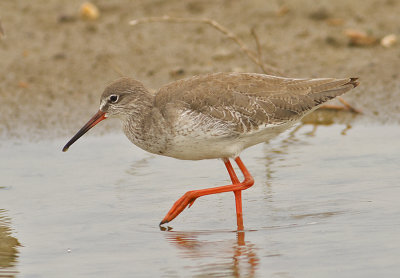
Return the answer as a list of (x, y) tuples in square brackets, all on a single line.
[(325, 204)]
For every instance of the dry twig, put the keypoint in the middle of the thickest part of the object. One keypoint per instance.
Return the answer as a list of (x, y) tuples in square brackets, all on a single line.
[(259, 50), (2, 34), (253, 56), (348, 106)]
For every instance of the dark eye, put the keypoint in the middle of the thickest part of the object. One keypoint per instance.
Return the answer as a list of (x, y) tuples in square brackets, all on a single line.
[(113, 98)]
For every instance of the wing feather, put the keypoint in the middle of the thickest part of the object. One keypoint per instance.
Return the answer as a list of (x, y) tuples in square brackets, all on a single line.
[(248, 101)]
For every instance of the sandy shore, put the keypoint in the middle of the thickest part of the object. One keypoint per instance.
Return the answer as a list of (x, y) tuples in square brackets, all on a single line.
[(55, 64)]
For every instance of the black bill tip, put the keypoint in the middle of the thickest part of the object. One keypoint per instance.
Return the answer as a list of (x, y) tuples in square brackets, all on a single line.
[(98, 117)]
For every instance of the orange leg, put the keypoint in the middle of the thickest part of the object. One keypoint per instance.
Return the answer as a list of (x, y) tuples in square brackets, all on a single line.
[(238, 195), (189, 197)]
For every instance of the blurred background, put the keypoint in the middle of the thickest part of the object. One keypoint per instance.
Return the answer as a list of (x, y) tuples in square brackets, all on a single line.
[(56, 62), (88, 213)]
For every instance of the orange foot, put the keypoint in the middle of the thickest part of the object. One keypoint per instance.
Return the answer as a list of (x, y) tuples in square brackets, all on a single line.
[(186, 200)]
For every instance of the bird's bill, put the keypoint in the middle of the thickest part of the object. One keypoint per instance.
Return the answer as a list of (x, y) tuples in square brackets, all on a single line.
[(97, 118)]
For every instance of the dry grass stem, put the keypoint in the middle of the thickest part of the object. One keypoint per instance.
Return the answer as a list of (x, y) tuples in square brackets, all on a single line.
[(251, 54), (2, 34), (349, 106), (259, 49)]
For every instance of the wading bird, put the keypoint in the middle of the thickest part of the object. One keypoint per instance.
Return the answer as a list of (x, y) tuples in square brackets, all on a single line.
[(212, 116)]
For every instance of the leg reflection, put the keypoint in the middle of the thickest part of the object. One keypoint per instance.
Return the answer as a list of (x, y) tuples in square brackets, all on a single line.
[(224, 256)]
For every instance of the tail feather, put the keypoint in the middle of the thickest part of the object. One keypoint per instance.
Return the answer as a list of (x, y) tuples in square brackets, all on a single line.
[(353, 81), (321, 96), (295, 107)]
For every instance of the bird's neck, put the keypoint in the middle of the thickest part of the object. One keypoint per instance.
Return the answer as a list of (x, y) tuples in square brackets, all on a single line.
[(137, 122)]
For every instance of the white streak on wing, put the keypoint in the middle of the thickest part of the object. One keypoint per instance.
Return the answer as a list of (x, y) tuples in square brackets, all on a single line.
[(198, 124)]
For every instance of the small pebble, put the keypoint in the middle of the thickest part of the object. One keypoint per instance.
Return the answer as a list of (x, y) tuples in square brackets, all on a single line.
[(389, 40), (360, 38), (89, 11)]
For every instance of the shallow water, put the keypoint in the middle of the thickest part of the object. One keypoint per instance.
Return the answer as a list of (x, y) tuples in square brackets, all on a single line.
[(325, 204)]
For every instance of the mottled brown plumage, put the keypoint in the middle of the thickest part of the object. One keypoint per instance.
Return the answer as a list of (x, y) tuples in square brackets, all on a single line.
[(255, 99)]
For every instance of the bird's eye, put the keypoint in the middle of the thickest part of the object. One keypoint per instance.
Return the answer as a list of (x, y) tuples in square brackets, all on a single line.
[(113, 98)]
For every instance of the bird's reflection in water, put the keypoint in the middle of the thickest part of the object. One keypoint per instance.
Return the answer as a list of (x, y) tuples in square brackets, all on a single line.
[(321, 117), (216, 257), (326, 118), (8, 248)]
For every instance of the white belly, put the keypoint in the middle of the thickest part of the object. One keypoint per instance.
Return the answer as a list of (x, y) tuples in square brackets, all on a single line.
[(198, 145)]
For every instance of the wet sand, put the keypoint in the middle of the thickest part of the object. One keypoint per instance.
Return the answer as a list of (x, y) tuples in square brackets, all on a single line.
[(325, 199), (55, 64)]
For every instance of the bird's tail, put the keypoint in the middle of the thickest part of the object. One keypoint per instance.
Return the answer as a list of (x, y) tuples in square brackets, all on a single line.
[(333, 89)]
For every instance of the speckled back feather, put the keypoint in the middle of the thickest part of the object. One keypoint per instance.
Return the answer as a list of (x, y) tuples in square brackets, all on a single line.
[(249, 101)]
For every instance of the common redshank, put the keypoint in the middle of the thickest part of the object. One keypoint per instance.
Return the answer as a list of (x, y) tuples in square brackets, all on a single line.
[(212, 116)]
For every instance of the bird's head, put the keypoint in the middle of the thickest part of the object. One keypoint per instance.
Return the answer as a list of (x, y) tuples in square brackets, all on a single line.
[(119, 99)]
